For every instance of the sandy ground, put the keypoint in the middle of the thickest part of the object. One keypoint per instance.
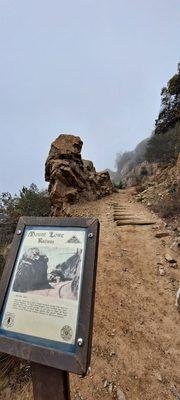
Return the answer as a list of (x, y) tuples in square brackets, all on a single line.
[(136, 342)]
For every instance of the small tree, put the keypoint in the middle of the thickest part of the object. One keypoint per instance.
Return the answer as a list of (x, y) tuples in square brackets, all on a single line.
[(170, 105), (33, 201)]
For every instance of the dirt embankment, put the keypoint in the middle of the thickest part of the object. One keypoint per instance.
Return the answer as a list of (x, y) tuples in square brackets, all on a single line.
[(136, 342), (161, 191)]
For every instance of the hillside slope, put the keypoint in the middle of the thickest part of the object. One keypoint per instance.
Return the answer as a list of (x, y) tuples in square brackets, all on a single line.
[(161, 149)]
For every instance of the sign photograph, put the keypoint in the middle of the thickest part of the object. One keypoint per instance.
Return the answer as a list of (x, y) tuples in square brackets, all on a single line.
[(47, 295)]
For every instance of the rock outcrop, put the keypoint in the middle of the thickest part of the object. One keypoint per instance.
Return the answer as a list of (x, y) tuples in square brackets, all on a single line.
[(70, 178), (139, 174), (68, 269)]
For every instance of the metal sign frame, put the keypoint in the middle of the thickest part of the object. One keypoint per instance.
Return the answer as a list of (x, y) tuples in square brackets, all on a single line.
[(79, 361)]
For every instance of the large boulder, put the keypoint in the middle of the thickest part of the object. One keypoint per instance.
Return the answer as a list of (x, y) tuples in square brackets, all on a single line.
[(70, 178), (32, 272)]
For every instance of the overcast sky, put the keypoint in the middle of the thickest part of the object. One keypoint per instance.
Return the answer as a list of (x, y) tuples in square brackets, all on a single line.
[(93, 68)]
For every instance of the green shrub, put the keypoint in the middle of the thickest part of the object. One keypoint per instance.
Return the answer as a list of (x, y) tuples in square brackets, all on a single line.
[(172, 189), (118, 185), (30, 202), (143, 172)]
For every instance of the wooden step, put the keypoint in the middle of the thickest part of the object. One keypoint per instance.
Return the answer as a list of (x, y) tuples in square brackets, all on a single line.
[(119, 218), (120, 208), (128, 212), (133, 222), (123, 212), (125, 216)]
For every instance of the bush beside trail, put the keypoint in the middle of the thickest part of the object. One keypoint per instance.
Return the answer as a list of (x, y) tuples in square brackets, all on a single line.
[(30, 201)]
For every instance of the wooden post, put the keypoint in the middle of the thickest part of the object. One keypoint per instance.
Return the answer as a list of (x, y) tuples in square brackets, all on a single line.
[(49, 383)]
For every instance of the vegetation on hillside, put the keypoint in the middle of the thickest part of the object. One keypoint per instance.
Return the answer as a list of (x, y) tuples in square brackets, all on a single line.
[(30, 201), (164, 148), (170, 105)]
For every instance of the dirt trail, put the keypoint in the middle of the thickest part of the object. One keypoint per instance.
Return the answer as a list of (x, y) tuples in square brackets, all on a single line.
[(136, 342)]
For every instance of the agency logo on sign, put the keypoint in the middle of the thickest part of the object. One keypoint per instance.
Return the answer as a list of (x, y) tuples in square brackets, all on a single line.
[(9, 320), (66, 333)]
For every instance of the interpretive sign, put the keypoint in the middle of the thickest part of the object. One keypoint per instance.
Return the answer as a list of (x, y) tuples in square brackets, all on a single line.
[(47, 292), (44, 291)]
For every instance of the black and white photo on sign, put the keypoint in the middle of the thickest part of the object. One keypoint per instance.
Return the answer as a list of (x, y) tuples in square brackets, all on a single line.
[(49, 271)]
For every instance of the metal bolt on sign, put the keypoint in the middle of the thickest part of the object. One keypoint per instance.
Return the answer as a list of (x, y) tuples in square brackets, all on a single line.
[(80, 342), (19, 232), (90, 235)]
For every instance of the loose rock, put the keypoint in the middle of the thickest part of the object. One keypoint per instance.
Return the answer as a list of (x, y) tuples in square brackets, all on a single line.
[(120, 395), (110, 388), (169, 258), (159, 377), (112, 353), (161, 271), (178, 298), (160, 235), (175, 393), (105, 383)]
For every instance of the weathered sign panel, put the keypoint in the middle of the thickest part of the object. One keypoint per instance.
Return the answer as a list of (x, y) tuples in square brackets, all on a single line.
[(47, 292)]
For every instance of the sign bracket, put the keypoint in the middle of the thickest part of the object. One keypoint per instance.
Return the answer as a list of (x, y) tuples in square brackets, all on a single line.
[(49, 383)]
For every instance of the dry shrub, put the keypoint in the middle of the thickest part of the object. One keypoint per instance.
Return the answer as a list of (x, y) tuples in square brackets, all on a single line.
[(25, 393), (14, 378), (7, 363), (168, 206)]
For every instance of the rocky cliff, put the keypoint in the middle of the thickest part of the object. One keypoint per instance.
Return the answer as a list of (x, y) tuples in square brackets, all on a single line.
[(139, 174), (70, 178), (68, 269)]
